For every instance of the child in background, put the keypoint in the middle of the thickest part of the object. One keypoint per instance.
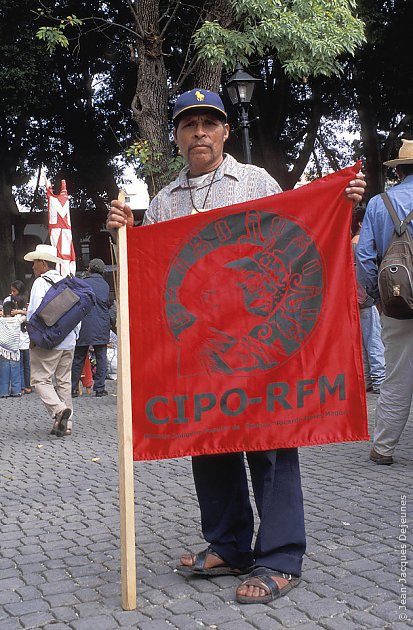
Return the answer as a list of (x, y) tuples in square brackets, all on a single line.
[(20, 312), (10, 381), (16, 288)]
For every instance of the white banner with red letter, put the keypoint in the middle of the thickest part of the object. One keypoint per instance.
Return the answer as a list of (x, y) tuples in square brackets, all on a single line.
[(60, 227)]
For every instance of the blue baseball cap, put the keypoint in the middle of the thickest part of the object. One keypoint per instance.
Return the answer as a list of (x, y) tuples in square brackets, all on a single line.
[(198, 99)]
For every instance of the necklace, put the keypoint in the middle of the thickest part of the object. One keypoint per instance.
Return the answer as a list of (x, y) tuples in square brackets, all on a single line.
[(207, 193)]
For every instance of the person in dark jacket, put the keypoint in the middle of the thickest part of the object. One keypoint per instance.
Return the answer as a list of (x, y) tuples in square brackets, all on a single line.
[(95, 331)]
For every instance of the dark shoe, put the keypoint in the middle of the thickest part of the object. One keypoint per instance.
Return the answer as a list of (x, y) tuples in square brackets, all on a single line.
[(75, 393), (198, 566), (261, 577), (102, 392), (385, 460), (62, 419)]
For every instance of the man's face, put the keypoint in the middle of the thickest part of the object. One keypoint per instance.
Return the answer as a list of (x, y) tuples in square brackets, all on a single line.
[(39, 267), (200, 138), (225, 304)]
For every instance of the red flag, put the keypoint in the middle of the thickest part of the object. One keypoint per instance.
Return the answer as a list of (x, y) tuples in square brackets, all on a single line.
[(60, 228), (244, 327)]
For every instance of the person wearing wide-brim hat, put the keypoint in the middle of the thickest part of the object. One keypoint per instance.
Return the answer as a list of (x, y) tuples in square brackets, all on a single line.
[(51, 369), (405, 155), (393, 406), (44, 252)]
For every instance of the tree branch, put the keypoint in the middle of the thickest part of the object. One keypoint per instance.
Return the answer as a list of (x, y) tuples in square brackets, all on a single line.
[(332, 160), (394, 133), (139, 31), (171, 17)]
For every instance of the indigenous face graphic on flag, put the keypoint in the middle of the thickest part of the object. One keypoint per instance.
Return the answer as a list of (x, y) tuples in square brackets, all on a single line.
[(244, 293)]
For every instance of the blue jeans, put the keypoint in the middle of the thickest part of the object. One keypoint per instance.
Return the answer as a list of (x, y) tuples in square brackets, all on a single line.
[(373, 345), (10, 381), (25, 368)]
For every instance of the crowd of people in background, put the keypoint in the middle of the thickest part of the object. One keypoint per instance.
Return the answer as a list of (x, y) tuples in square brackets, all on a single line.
[(94, 353)]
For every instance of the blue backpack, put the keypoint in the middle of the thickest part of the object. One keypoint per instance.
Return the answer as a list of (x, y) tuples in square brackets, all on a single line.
[(61, 309)]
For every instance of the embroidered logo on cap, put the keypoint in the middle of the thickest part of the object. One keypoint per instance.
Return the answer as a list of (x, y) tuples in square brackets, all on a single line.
[(199, 96)]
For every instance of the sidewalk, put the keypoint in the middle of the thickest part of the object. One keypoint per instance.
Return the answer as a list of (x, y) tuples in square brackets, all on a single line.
[(59, 534)]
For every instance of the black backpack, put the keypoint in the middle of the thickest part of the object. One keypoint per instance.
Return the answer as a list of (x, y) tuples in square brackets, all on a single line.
[(396, 268)]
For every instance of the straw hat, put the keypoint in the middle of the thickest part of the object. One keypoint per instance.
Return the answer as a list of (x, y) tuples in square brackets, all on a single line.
[(44, 252), (405, 154)]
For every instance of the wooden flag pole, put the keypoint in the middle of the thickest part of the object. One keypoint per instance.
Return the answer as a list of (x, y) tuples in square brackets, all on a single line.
[(126, 485)]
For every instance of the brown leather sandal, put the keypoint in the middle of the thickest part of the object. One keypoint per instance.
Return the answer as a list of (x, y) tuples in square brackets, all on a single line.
[(261, 577), (198, 566)]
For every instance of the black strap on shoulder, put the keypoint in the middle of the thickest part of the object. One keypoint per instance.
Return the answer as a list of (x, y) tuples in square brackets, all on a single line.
[(49, 280), (399, 226)]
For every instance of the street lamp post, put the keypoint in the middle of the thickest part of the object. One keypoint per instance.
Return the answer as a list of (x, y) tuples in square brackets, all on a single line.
[(240, 88)]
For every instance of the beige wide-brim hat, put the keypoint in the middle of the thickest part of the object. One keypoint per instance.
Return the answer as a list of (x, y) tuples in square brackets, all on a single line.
[(44, 252), (405, 154)]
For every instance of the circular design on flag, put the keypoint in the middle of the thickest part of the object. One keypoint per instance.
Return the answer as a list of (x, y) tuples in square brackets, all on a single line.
[(243, 293)]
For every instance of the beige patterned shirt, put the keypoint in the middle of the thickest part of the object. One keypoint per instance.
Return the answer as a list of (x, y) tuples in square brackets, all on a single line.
[(232, 183)]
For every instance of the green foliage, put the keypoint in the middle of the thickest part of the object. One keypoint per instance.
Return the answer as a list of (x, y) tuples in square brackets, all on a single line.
[(306, 35), (54, 36), (151, 162)]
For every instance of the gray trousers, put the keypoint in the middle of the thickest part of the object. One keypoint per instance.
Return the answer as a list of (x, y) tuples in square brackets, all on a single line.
[(393, 406), (51, 372)]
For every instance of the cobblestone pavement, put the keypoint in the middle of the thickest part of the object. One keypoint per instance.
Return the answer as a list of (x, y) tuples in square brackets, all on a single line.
[(59, 554)]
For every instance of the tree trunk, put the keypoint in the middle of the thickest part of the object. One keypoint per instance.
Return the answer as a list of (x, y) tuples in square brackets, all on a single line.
[(150, 102), (273, 109), (8, 208), (209, 76), (371, 148)]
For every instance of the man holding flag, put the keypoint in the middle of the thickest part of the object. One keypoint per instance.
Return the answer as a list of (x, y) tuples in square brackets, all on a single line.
[(213, 179)]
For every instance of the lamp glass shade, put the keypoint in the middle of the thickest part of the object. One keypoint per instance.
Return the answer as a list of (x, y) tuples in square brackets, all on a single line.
[(240, 87)]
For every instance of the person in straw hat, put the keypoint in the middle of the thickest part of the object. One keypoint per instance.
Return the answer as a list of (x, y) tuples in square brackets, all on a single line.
[(393, 406), (51, 369)]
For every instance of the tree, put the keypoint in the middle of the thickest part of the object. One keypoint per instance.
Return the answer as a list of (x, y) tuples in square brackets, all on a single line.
[(292, 45), (296, 47), (296, 39), (382, 90), (25, 93), (56, 112)]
